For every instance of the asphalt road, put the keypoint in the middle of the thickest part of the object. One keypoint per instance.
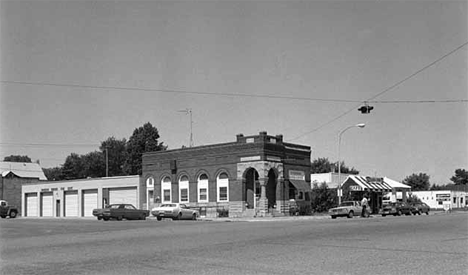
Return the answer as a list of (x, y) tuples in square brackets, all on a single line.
[(434, 244)]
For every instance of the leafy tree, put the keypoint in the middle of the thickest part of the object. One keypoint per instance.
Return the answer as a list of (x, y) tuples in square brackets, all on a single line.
[(144, 139), (73, 167), (413, 199), (116, 155), (323, 198), (17, 158), (418, 182), (460, 178), (55, 173), (323, 165), (94, 165)]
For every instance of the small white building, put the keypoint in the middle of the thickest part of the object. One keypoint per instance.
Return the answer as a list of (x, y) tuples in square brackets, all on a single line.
[(437, 198), (78, 198), (332, 179)]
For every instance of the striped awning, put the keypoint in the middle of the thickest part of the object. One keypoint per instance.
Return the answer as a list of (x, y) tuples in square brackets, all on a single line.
[(367, 184)]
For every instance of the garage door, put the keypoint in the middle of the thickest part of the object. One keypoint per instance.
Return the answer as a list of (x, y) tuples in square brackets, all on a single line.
[(71, 204), (47, 204), (123, 195), (90, 202), (31, 205)]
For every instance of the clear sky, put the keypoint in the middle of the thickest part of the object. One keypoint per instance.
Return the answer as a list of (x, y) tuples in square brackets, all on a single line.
[(328, 56)]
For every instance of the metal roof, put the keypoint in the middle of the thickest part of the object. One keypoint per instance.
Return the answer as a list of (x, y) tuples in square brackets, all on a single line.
[(22, 169), (371, 184)]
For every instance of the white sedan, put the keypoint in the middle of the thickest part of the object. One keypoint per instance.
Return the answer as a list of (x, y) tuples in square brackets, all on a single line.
[(175, 211)]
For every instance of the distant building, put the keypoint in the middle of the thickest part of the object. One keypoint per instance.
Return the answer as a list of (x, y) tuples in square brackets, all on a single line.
[(14, 175), (254, 175), (331, 179), (438, 198), (78, 198)]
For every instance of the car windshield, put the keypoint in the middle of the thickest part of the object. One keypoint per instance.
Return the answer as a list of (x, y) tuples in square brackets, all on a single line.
[(347, 203), (168, 205)]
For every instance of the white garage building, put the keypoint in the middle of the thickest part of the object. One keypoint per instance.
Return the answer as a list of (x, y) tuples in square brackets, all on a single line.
[(78, 198)]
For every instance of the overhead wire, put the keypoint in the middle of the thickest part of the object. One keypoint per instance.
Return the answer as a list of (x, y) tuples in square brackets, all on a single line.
[(386, 90)]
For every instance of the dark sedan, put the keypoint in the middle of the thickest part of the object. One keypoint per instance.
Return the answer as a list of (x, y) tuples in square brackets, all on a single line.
[(396, 209), (419, 208), (119, 212)]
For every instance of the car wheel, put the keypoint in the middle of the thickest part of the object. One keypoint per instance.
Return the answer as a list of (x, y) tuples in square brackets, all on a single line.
[(106, 219), (350, 214), (383, 215), (13, 214), (333, 217), (158, 218), (119, 218), (194, 217), (399, 213), (99, 218), (3, 216)]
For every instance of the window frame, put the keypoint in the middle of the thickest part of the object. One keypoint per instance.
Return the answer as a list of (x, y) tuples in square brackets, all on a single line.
[(184, 185), (203, 184), (166, 186), (222, 183)]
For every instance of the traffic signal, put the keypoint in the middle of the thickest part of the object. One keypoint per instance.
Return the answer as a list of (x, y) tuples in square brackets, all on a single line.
[(365, 109)]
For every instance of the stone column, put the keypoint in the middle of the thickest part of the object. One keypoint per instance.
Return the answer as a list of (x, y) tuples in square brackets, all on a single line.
[(263, 201)]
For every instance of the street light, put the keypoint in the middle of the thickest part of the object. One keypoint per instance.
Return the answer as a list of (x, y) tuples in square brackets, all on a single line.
[(360, 125)]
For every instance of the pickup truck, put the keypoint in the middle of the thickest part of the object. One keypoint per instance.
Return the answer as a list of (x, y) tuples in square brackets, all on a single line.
[(119, 212), (347, 209), (7, 210)]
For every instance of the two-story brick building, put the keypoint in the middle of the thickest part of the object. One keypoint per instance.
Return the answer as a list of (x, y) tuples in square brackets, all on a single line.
[(255, 175)]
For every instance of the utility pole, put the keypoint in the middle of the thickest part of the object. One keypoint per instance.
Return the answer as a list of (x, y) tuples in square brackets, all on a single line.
[(188, 111), (107, 162)]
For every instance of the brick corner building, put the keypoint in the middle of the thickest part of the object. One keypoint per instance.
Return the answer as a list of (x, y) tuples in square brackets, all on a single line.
[(256, 175)]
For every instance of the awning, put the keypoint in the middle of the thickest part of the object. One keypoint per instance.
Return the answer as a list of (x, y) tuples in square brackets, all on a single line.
[(367, 185), (395, 184), (301, 185)]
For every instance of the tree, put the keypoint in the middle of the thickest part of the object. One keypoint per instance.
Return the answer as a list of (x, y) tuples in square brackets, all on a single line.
[(94, 165), (54, 173), (73, 167), (17, 158), (323, 198), (418, 182), (116, 155), (460, 178), (323, 165), (144, 139)]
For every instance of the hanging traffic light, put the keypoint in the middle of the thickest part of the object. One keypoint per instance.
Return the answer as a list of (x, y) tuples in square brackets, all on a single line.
[(366, 109)]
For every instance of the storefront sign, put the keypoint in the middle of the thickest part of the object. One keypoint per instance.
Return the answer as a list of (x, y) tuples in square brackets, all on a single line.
[(355, 188), (442, 197), (296, 175), (253, 158), (273, 158)]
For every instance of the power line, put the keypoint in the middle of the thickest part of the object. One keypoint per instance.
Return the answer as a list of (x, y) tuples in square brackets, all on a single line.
[(420, 101), (48, 144), (174, 91), (386, 90)]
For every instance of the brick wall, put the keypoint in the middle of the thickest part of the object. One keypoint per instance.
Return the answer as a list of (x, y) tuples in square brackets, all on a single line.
[(11, 189)]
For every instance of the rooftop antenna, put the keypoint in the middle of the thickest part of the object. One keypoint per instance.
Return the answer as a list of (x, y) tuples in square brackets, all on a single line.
[(188, 111)]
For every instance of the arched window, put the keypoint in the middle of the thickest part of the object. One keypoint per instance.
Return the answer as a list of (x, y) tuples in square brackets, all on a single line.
[(203, 188), (150, 182), (166, 190), (183, 189), (222, 183)]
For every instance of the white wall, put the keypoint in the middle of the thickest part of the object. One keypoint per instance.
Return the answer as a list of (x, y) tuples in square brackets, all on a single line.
[(435, 198), (59, 187)]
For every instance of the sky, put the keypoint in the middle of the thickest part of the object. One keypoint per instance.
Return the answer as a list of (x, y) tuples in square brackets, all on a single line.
[(74, 73)]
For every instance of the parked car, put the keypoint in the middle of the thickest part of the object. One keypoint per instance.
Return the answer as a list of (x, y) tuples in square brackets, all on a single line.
[(7, 210), (119, 212), (396, 209), (175, 211), (347, 209), (420, 207)]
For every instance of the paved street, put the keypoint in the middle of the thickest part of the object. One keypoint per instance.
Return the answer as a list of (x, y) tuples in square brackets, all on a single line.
[(434, 244)]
